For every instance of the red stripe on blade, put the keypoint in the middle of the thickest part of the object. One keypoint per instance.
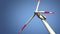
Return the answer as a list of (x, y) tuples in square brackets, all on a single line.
[(46, 12), (24, 26)]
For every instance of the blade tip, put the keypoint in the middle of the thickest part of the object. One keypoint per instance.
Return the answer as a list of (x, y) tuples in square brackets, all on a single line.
[(18, 32), (38, 0)]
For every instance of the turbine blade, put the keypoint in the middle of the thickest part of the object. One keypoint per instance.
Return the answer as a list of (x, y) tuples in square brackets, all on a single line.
[(37, 6), (45, 12), (26, 23)]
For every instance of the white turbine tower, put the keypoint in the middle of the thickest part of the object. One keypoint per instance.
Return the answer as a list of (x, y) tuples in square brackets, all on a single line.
[(43, 19)]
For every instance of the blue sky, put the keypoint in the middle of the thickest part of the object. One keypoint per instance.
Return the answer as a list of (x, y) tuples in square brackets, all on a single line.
[(14, 13)]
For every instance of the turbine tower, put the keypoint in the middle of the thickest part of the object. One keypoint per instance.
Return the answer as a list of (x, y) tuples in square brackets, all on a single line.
[(42, 17)]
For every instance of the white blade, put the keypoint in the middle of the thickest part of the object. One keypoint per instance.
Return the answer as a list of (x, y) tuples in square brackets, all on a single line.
[(37, 6), (50, 30), (26, 23), (46, 12)]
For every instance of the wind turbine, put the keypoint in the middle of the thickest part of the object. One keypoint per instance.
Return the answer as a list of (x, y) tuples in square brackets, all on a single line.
[(42, 17)]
